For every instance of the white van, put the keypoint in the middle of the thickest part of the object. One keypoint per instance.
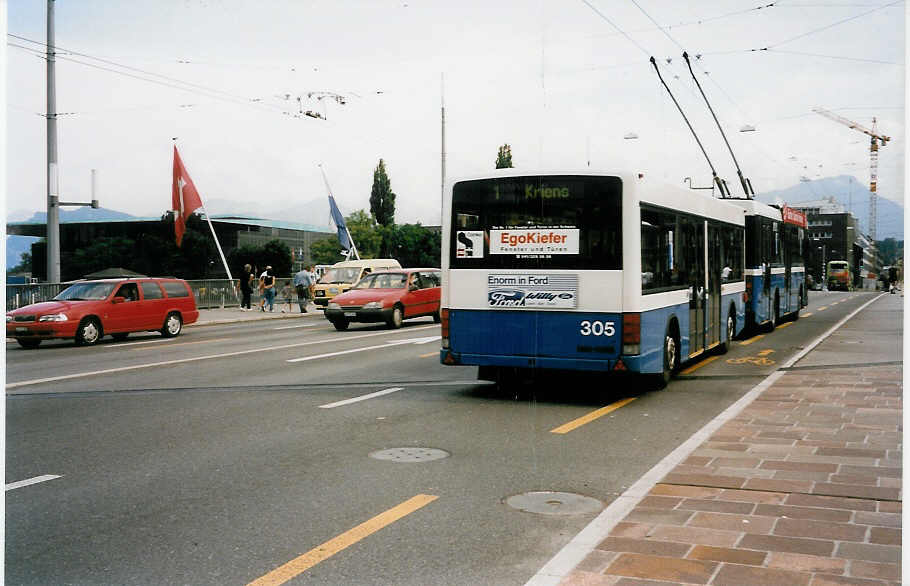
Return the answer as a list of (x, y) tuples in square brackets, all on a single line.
[(341, 276)]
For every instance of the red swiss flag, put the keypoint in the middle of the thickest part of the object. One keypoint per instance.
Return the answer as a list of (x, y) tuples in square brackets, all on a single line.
[(184, 198)]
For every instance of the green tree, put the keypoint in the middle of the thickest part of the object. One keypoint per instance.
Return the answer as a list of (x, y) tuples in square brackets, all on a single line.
[(277, 254), (24, 266), (246, 254), (504, 157), (326, 251), (366, 234), (414, 245), (890, 250), (382, 198)]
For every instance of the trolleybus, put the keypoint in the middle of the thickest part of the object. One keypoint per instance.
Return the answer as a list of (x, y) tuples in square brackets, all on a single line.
[(587, 271), (775, 269)]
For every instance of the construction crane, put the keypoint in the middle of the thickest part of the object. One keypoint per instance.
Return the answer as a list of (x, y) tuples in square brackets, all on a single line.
[(873, 161)]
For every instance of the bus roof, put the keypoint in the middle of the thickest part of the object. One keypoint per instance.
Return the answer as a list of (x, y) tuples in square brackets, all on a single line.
[(647, 190), (756, 208)]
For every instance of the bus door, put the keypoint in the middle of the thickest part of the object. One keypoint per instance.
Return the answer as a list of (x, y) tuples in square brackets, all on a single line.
[(695, 258), (786, 235), (715, 266)]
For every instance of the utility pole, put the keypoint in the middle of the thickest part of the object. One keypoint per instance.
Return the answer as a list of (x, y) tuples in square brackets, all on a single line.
[(442, 102), (53, 211)]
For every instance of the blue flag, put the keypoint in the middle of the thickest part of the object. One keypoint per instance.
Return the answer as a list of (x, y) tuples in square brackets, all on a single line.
[(338, 220)]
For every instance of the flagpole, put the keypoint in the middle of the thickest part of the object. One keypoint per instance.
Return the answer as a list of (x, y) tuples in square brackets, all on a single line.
[(325, 178), (212, 228), (218, 244)]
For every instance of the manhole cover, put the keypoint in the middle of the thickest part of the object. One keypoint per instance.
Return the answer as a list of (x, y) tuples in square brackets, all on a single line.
[(554, 503), (410, 454)]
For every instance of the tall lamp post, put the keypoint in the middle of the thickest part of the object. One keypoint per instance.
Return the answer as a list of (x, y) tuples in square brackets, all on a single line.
[(53, 192)]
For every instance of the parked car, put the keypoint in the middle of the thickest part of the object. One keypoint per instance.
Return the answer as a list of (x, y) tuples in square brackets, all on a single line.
[(88, 310), (389, 296)]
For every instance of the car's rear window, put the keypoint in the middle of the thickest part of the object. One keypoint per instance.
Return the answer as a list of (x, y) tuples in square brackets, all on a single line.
[(175, 289), (151, 290)]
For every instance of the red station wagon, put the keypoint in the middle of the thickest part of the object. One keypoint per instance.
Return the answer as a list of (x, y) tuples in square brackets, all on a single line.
[(389, 296), (87, 310)]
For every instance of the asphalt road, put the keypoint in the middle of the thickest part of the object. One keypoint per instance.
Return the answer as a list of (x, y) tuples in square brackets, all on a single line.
[(226, 453)]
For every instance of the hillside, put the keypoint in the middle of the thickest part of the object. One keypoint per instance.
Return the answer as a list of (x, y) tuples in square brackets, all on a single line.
[(846, 191)]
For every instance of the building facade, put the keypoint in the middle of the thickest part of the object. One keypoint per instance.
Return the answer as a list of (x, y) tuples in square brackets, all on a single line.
[(834, 234), (232, 232)]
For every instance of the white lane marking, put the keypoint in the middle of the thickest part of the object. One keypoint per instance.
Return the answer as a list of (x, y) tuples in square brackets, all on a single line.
[(35, 480), (582, 544), (128, 344), (198, 358), (292, 327), (361, 398), (386, 345)]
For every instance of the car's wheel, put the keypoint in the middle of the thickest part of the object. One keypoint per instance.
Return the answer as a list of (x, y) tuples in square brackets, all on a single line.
[(120, 336), (396, 317), (340, 324), (730, 328), (436, 317), (89, 332), (29, 343), (172, 325)]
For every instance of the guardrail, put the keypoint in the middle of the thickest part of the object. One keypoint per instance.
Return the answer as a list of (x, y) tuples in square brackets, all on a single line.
[(209, 293)]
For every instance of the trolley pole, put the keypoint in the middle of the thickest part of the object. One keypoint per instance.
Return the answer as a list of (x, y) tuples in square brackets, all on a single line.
[(53, 210)]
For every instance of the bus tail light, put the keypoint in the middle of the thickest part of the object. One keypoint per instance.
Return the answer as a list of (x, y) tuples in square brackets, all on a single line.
[(444, 319), (747, 294), (631, 333)]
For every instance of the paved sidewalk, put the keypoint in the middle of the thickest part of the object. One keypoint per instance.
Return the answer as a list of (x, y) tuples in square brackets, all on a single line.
[(229, 315), (802, 487)]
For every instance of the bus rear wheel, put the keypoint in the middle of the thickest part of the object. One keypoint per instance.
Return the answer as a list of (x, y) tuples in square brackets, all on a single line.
[(730, 330), (670, 359)]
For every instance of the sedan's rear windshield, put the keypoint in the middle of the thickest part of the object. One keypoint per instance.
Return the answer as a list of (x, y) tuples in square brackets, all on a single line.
[(382, 281), (85, 292), (552, 221)]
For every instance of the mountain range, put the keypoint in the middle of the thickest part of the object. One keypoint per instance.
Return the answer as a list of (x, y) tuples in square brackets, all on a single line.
[(853, 196)]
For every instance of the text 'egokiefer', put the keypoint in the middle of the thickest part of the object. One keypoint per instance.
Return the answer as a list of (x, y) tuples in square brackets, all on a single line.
[(530, 237)]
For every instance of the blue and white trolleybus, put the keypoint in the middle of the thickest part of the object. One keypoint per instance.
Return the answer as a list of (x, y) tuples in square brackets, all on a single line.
[(587, 271)]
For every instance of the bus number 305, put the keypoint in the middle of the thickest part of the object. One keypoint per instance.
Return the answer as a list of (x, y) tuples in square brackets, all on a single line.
[(597, 328)]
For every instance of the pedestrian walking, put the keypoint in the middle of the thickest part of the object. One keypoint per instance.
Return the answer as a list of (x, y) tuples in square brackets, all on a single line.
[(303, 283), (245, 286), (268, 289)]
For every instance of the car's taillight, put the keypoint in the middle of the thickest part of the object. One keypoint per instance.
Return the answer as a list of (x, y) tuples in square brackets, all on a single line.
[(444, 319), (631, 333)]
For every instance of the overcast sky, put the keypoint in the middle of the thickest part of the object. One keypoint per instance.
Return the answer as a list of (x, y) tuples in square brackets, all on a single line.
[(561, 81)]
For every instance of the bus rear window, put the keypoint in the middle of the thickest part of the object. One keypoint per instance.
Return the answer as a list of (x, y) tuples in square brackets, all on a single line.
[(552, 222)]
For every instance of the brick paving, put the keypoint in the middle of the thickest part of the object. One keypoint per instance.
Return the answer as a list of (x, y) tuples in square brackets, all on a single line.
[(803, 487)]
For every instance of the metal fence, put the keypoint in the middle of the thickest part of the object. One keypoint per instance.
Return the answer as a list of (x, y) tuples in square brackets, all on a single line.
[(209, 293)]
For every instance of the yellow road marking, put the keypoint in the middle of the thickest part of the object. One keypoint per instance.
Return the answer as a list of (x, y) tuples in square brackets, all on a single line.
[(428, 354), (322, 552), (695, 367), (823, 308), (574, 424), (806, 314), (752, 339), (785, 324), (765, 352)]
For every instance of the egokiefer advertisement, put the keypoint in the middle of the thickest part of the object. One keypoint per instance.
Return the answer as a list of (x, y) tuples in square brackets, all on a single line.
[(534, 241), (532, 290)]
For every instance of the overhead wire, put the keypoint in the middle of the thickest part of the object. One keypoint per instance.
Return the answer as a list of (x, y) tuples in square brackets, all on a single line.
[(833, 24), (171, 82)]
